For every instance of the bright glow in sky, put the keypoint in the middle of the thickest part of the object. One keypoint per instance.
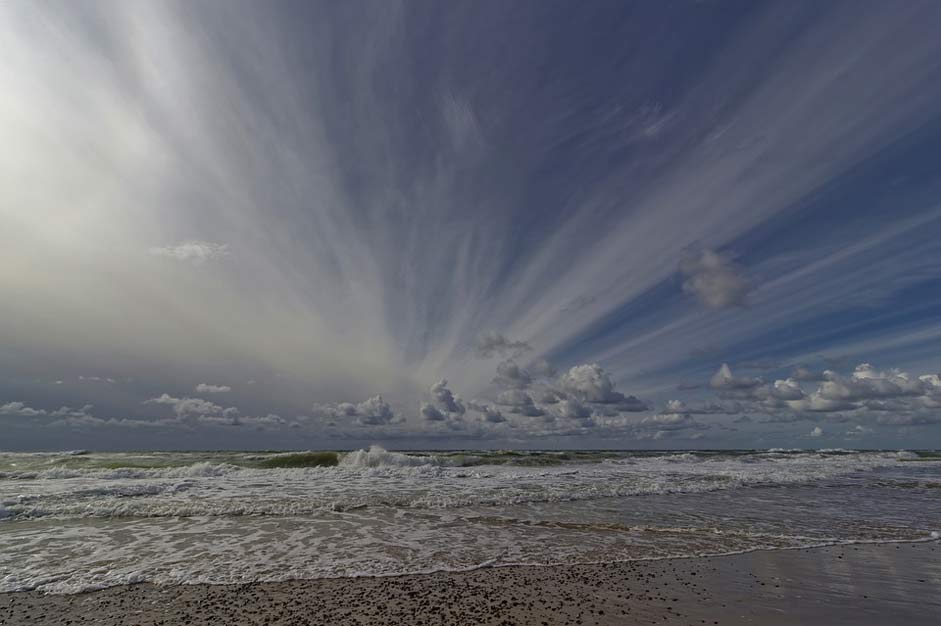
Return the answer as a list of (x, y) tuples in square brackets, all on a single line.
[(316, 224)]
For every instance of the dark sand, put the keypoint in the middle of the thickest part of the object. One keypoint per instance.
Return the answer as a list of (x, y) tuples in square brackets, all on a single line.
[(859, 585)]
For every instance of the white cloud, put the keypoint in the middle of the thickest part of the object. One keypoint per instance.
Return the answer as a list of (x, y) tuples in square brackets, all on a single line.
[(723, 380), (571, 408), (488, 413), (590, 383), (816, 432), (446, 400), (678, 406), (373, 411), (670, 421), (192, 251), (20, 409), (97, 379), (188, 407), (859, 431), (714, 280), (66, 411), (890, 397), (910, 419), (204, 388)]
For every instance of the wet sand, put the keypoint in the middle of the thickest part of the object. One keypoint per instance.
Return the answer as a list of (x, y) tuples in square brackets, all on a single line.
[(859, 585)]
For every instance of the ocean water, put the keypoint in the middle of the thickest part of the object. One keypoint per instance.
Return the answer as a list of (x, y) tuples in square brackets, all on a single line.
[(78, 521)]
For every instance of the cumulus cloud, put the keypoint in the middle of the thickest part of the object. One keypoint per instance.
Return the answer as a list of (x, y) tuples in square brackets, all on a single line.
[(910, 419), (192, 251), (678, 406), (581, 400), (590, 383), (714, 280), (97, 379), (890, 397), (204, 388), (488, 412), (190, 411), (668, 426), (509, 374), (570, 408), (66, 411), (546, 395), (670, 421), (724, 381), (444, 407), (20, 409), (490, 343), (446, 400), (584, 394), (816, 432), (373, 411), (859, 431), (431, 413), (866, 383), (187, 407), (63, 415), (519, 402)]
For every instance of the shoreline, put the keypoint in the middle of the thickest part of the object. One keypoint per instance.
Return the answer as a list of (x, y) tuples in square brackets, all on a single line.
[(860, 583)]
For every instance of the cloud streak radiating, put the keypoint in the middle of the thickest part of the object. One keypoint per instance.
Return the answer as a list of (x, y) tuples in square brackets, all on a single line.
[(438, 225)]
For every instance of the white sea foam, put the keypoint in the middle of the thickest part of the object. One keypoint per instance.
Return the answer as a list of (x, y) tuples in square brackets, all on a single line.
[(379, 457), (380, 478), (381, 512)]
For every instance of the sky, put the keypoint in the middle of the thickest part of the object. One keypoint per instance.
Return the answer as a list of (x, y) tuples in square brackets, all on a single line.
[(536, 224)]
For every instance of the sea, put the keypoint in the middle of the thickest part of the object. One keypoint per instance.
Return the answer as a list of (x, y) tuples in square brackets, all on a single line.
[(80, 520)]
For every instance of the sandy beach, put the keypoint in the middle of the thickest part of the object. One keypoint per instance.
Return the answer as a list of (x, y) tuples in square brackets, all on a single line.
[(860, 584)]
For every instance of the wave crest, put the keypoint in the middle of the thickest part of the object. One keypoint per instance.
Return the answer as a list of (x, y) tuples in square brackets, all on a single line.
[(377, 456)]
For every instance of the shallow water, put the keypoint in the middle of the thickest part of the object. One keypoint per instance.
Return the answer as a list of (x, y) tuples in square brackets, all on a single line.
[(78, 521)]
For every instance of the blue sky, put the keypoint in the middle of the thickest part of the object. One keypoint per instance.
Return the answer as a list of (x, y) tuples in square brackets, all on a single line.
[(288, 224)]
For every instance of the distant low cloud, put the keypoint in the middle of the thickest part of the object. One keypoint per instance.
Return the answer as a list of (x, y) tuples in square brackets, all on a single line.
[(571, 408), (680, 407), (489, 344), (192, 251), (581, 400), (188, 407), (20, 409), (889, 398), (488, 412), (723, 380), (445, 399), (97, 379), (204, 388), (590, 383), (373, 411), (431, 413), (714, 280), (859, 431), (445, 407)]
